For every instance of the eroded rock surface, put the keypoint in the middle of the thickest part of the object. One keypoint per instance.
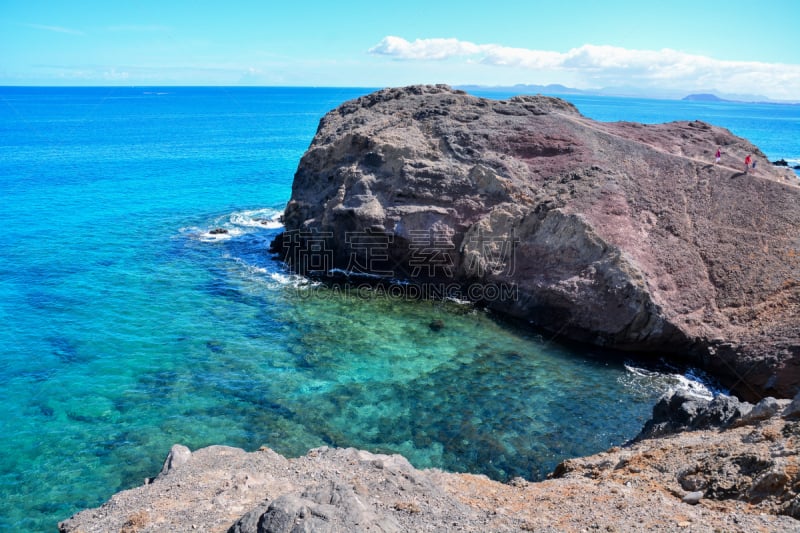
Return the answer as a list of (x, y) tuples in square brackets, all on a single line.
[(739, 475), (618, 234)]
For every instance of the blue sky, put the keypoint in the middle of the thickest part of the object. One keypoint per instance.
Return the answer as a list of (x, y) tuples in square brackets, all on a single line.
[(728, 46)]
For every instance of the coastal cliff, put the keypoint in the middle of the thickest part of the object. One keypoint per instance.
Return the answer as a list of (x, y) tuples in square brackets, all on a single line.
[(736, 470), (621, 235)]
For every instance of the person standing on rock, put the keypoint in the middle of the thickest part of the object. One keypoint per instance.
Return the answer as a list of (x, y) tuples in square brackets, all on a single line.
[(747, 161), (717, 156)]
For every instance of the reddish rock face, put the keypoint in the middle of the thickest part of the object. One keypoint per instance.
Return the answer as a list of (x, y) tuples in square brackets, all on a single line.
[(622, 235)]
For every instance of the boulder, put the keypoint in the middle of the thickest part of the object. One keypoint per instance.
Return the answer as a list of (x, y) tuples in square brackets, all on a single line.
[(621, 235), (680, 411), (763, 410), (693, 498), (178, 455), (329, 507), (792, 410)]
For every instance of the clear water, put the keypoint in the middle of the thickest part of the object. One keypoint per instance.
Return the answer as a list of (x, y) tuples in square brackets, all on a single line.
[(128, 327)]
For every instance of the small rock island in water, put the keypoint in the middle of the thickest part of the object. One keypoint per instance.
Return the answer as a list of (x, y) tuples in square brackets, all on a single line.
[(622, 235)]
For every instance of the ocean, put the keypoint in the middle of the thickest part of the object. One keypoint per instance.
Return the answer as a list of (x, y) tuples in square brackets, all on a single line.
[(128, 325)]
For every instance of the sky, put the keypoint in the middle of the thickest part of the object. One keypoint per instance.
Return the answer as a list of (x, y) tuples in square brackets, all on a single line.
[(730, 47)]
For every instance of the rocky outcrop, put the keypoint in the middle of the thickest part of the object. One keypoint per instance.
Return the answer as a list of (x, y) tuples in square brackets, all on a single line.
[(682, 411), (784, 163), (619, 234), (744, 476)]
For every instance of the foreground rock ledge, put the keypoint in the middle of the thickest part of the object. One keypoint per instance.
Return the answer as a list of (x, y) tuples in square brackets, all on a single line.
[(743, 477), (618, 234)]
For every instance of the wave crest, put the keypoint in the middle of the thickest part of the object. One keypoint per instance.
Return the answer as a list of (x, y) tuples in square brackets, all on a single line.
[(236, 224), (692, 380), (267, 218)]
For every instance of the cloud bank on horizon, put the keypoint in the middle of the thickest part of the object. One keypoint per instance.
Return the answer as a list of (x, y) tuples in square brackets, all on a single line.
[(598, 66)]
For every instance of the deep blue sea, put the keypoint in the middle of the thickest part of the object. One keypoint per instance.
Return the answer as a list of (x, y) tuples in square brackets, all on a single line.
[(128, 327)]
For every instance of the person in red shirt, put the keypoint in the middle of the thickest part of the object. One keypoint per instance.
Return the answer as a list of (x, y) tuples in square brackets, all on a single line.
[(747, 161)]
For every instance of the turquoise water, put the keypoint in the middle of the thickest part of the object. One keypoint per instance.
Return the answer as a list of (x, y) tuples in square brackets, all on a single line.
[(128, 327)]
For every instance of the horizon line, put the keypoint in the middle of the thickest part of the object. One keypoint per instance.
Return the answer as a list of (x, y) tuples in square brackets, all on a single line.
[(499, 88)]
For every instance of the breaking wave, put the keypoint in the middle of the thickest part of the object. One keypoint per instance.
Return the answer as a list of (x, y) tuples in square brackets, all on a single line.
[(236, 224)]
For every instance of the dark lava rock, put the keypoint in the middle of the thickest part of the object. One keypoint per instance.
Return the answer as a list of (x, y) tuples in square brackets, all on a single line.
[(680, 411)]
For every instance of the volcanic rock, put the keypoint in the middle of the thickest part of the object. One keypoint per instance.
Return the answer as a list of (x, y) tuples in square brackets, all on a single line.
[(680, 411), (740, 478), (621, 235)]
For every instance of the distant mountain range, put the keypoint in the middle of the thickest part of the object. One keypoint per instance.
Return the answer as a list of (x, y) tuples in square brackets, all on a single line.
[(632, 92)]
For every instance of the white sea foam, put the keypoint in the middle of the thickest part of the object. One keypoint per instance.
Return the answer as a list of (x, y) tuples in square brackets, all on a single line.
[(266, 218), (291, 281), (210, 235), (236, 224), (272, 279), (458, 301), (214, 235), (694, 381), (695, 388), (248, 267)]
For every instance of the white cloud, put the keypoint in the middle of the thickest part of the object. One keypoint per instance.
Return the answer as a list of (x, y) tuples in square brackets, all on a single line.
[(424, 48), (604, 66), (56, 29)]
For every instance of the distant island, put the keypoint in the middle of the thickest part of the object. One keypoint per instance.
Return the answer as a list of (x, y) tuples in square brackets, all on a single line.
[(556, 89), (710, 97), (706, 97)]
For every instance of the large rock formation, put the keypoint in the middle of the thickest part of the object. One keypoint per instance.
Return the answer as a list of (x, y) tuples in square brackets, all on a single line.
[(745, 477), (618, 234)]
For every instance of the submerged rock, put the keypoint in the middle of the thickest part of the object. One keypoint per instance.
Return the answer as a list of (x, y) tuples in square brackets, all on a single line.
[(436, 325), (620, 234)]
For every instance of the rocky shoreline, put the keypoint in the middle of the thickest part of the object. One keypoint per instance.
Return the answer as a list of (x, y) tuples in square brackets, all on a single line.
[(621, 235), (733, 467)]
